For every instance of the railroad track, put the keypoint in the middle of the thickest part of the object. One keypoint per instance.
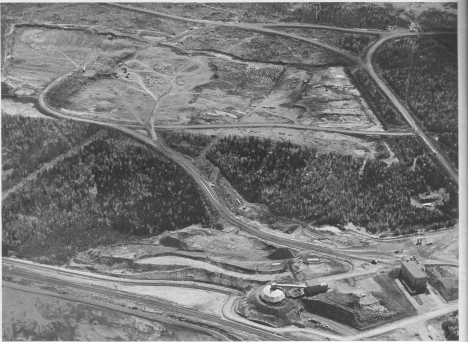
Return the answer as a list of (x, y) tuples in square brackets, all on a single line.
[(138, 282), (187, 315)]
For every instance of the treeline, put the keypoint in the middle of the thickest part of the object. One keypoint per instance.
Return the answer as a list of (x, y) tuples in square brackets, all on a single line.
[(451, 329), (27, 143), (434, 20), (352, 15), (111, 190), (388, 115), (186, 143), (298, 182), (449, 143), (424, 74), (353, 42), (356, 43), (59, 97)]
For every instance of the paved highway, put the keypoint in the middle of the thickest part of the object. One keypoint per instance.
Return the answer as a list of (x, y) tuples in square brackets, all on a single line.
[(33, 267), (367, 63), (214, 322), (403, 110), (249, 27), (31, 271), (205, 186), (154, 317), (211, 195)]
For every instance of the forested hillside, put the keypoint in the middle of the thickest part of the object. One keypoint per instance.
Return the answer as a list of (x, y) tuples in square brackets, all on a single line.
[(28, 143), (382, 107), (423, 72), (352, 15), (298, 182), (114, 188), (186, 143)]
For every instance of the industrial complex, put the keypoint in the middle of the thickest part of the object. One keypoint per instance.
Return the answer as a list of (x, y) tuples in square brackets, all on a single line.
[(413, 275), (230, 171)]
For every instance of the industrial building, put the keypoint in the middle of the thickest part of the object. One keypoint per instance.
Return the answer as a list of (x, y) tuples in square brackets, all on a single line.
[(413, 275), (274, 292), (272, 295), (315, 287)]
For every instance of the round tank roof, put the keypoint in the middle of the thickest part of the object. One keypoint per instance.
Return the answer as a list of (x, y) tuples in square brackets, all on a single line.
[(272, 296)]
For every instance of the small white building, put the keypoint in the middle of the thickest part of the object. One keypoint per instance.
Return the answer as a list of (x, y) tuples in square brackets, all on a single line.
[(272, 296)]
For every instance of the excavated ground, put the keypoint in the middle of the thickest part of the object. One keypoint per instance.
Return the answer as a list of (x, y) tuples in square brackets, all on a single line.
[(363, 302), (444, 279), (228, 257)]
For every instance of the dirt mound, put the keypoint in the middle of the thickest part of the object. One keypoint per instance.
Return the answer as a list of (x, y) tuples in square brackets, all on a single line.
[(281, 253), (349, 309), (169, 241), (444, 279), (252, 307)]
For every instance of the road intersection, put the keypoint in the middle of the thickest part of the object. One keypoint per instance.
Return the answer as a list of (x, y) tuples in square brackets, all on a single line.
[(204, 185)]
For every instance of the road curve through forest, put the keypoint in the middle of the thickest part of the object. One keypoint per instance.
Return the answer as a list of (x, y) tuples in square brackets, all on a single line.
[(366, 64), (204, 185), (404, 111)]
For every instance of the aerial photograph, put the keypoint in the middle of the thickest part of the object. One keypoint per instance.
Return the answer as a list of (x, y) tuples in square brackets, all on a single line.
[(226, 171)]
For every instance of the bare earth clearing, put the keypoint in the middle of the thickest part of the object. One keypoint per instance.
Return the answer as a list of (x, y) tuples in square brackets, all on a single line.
[(145, 73)]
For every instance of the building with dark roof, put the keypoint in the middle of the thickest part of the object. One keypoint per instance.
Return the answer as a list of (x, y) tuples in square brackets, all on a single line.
[(413, 275)]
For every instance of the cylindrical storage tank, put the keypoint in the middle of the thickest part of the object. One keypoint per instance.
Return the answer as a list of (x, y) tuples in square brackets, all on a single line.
[(272, 296)]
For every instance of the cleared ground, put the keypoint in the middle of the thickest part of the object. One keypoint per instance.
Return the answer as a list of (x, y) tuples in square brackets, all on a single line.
[(362, 302), (179, 86), (204, 301), (42, 54), (31, 316), (395, 335), (444, 279), (99, 16), (12, 107)]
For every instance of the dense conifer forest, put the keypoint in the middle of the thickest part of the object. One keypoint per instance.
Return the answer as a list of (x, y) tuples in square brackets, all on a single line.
[(326, 188), (423, 72), (186, 143), (112, 189), (28, 143)]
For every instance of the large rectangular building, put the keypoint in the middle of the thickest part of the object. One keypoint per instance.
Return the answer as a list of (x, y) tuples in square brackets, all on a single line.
[(314, 287), (413, 274)]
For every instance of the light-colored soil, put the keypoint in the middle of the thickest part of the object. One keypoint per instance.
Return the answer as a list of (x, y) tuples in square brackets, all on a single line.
[(40, 55), (445, 246), (395, 335), (359, 287), (40, 317), (434, 327), (189, 87), (204, 301), (106, 97), (174, 260), (12, 107)]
